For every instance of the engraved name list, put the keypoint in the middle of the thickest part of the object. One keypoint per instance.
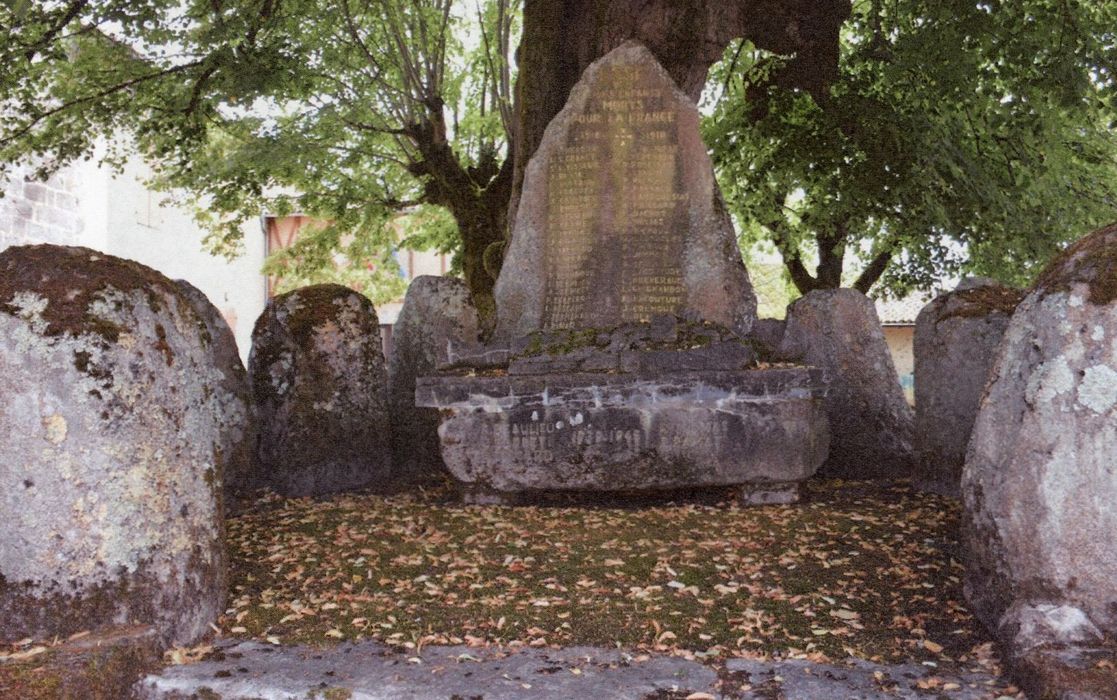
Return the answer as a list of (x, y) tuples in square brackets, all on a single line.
[(616, 208)]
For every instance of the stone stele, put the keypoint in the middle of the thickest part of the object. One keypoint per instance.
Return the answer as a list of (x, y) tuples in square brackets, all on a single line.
[(956, 339), (437, 314), (872, 424), (621, 218), (113, 415), (318, 378), (619, 361), (1039, 483), (242, 475)]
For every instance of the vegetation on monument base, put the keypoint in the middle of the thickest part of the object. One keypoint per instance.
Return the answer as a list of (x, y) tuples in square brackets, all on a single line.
[(946, 137)]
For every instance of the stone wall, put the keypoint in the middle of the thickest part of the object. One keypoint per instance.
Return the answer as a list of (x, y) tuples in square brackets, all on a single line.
[(39, 212)]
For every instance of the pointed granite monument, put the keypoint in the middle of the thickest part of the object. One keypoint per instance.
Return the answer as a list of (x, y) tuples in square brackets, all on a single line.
[(621, 218), (618, 362)]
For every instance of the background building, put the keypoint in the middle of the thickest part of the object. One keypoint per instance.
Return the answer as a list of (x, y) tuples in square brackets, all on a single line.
[(897, 317), (88, 205)]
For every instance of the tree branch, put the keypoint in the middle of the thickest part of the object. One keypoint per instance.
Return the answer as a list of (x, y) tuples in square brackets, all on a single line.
[(68, 15), (96, 96), (831, 256), (873, 272)]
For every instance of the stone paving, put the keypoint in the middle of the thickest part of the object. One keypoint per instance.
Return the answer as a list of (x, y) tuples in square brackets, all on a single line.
[(372, 671)]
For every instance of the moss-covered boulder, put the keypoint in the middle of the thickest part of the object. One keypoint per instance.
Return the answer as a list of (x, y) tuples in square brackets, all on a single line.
[(871, 423), (437, 313), (242, 476), (1040, 483), (956, 339), (318, 378), (111, 463)]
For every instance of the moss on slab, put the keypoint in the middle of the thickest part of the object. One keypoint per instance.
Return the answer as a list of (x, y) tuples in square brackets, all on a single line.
[(980, 302), (71, 279), (103, 666)]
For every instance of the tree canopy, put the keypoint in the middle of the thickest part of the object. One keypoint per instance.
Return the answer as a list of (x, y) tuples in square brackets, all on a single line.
[(959, 137), (349, 111), (907, 138)]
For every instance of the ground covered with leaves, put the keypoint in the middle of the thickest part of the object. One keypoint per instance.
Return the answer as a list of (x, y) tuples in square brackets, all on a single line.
[(857, 570)]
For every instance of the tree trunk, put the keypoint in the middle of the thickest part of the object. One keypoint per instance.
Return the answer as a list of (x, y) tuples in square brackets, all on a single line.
[(562, 37), (477, 198), (831, 261)]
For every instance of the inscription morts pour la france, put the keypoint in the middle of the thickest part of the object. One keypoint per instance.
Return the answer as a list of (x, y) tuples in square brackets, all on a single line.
[(621, 219)]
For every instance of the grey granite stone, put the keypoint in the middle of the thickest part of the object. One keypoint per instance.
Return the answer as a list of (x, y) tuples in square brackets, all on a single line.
[(621, 218), (318, 378), (956, 339), (112, 416), (1039, 483), (437, 315), (870, 421), (242, 471)]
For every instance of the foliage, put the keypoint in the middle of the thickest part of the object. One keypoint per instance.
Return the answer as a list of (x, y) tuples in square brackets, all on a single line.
[(345, 111), (961, 137), (327, 253)]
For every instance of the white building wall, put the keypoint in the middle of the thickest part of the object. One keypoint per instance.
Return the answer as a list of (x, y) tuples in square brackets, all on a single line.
[(39, 212), (168, 240), (87, 205)]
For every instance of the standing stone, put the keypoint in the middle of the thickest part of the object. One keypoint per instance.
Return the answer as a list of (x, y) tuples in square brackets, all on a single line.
[(870, 422), (111, 462), (437, 315), (239, 417), (956, 340), (318, 378), (620, 218), (1040, 483)]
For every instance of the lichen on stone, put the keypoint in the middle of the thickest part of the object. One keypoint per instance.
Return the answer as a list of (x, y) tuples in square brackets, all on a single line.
[(1098, 390)]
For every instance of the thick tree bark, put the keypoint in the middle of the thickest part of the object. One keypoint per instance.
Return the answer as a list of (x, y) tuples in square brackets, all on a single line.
[(831, 258), (562, 37), (477, 198), (831, 262)]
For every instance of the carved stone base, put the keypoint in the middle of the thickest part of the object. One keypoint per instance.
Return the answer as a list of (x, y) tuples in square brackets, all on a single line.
[(616, 432)]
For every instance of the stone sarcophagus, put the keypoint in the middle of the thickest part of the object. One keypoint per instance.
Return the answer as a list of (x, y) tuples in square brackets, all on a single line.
[(620, 359), (762, 429)]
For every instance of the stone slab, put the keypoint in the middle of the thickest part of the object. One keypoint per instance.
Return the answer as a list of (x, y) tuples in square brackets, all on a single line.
[(371, 671), (100, 665), (611, 432)]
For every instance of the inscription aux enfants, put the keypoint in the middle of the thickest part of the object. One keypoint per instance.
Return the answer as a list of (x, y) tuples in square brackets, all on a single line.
[(616, 207), (540, 435)]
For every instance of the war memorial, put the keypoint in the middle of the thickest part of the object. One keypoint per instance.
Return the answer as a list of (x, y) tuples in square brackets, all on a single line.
[(620, 359)]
